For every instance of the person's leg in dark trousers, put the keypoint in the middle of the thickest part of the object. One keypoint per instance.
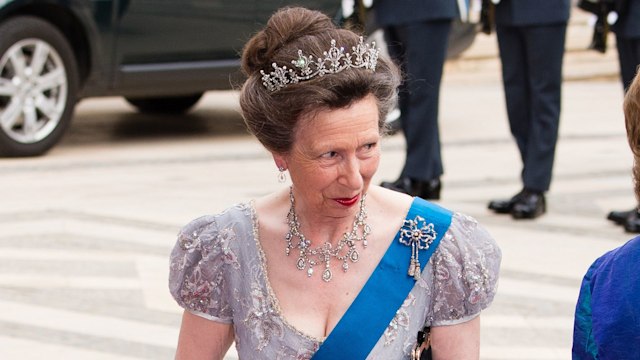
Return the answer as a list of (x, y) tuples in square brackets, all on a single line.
[(421, 49), (545, 50), (531, 59), (395, 46), (513, 56), (629, 59)]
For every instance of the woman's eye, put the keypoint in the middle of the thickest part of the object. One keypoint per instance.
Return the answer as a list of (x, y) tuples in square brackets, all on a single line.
[(329, 155), (370, 146)]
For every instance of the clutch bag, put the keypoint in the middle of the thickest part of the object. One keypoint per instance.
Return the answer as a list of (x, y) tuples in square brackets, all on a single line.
[(422, 349)]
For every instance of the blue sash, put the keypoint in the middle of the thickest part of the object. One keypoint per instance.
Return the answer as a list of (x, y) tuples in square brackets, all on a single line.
[(371, 312)]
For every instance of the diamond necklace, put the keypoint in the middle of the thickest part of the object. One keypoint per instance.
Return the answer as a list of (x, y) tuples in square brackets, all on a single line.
[(344, 251)]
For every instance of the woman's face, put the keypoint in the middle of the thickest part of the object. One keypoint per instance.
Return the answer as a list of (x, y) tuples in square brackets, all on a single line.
[(333, 157)]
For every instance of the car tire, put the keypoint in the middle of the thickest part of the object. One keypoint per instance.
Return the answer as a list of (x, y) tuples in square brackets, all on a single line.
[(461, 38), (38, 86), (165, 105)]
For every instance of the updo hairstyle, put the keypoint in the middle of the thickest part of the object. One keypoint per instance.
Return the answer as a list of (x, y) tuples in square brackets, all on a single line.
[(273, 116)]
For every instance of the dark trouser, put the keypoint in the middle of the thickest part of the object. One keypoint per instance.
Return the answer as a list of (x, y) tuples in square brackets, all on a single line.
[(629, 58), (420, 49), (532, 77)]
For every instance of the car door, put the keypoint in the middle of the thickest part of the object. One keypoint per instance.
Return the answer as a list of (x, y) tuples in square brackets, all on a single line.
[(178, 45)]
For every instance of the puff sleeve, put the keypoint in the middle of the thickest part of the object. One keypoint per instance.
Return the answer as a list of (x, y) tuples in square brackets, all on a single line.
[(196, 278), (466, 267)]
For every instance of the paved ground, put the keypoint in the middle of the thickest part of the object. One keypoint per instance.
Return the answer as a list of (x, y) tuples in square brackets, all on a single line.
[(85, 232)]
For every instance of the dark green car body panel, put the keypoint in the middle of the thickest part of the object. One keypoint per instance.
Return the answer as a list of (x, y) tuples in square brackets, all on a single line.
[(157, 47)]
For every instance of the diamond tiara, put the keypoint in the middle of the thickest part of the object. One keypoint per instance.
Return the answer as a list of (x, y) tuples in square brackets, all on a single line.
[(363, 56)]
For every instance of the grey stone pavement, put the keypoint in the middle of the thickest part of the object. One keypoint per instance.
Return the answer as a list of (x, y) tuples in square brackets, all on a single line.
[(85, 231)]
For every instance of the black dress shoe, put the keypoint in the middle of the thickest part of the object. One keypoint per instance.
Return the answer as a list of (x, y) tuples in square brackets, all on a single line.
[(429, 189), (530, 205), (619, 217), (506, 205), (632, 222)]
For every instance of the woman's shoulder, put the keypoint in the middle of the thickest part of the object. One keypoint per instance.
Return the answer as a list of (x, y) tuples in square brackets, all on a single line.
[(212, 222), (470, 239), (619, 259), (210, 234), (466, 267), (206, 257), (629, 250), (464, 240)]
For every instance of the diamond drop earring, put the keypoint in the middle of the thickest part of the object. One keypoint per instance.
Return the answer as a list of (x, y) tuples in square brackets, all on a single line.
[(282, 177)]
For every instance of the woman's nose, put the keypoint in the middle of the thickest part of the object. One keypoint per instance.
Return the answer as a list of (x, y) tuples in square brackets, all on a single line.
[(351, 174)]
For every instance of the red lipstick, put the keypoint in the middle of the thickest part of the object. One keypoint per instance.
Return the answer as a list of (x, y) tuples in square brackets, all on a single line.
[(348, 201)]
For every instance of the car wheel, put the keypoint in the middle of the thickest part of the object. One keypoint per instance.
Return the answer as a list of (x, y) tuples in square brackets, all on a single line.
[(168, 104), (38, 86), (461, 38)]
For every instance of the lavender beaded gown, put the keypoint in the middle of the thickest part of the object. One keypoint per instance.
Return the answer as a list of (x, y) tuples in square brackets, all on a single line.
[(218, 273)]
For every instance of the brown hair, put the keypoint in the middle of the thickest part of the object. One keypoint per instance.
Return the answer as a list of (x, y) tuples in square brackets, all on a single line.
[(632, 122), (273, 116)]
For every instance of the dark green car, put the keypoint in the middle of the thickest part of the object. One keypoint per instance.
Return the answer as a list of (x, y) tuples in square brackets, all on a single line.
[(161, 55)]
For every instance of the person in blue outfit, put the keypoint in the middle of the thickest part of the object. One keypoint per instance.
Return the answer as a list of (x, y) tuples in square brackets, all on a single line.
[(627, 30), (531, 38), (607, 318), (329, 266), (416, 33)]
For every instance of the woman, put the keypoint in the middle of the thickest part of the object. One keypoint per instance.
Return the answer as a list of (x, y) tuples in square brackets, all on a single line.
[(279, 275), (607, 318)]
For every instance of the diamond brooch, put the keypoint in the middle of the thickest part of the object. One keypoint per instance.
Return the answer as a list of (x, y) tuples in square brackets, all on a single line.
[(419, 235)]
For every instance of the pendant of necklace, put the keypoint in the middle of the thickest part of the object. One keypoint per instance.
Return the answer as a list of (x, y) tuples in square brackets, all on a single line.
[(345, 250)]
